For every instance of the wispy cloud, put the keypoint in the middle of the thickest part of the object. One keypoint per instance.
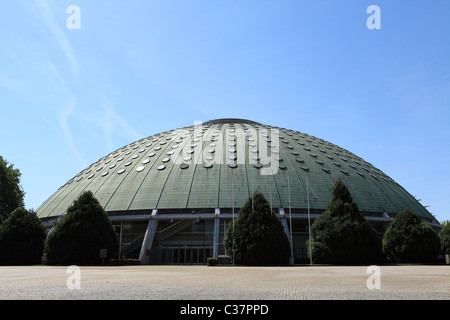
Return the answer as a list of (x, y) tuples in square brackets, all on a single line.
[(113, 121), (63, 118), (46, 14)]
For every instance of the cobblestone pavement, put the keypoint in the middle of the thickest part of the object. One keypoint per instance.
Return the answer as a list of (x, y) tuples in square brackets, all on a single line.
[(225, 283)]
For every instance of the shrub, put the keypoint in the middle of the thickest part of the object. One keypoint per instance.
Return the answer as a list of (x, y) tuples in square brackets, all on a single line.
[(408, 239), (79, 236), (211, 261), (259, 237), (341, 235), (22, 238), (444, 237)]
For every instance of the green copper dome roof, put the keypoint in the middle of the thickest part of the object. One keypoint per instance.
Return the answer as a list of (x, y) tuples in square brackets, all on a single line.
[(219, 163)]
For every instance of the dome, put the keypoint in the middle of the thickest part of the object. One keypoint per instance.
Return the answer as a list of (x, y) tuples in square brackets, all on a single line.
[(206, 172)]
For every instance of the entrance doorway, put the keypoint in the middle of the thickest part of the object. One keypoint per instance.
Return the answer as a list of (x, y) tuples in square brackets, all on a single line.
[(185, 255)]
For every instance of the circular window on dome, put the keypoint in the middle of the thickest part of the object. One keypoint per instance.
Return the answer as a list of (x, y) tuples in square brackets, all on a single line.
[(145, 161), (112, 166), (151, 154), (208, 165), (188, 158), (299, 160), (161, 167), (190, 151), (184, 166), (140, 168), (128, 163), (170, 153), (135, 156), (344, 171), (282, 166), (157, 148), (121, 171), (325, 169), (166, 160), (91, 176), (304, 168), (257, 165), (232, 165)]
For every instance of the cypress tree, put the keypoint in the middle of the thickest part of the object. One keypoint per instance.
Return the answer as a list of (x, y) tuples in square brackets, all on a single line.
[(259, 237), (444, 237), (341, 235), (79, 236), (408, 239), (22, 238)]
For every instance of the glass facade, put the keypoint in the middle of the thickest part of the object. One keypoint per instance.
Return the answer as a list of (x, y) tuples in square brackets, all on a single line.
[(182, 242)]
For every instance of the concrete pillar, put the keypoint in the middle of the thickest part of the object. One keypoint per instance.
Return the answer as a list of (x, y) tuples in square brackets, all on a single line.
[(216, 233), (148, 238), (286, 230)]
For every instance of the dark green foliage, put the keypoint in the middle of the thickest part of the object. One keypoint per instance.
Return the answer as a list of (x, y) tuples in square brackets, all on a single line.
[(341, 235), (259, 237), (22, 238), (79, 236), (444, 237), (408, 239), (11, 193), (212, 261)]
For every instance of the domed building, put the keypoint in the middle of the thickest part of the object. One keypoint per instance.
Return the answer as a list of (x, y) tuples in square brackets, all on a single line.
[(171, 196)]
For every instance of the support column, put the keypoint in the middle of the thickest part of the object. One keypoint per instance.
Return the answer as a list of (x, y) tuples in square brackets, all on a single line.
[(216, 233), (148, 238), (286, 230)]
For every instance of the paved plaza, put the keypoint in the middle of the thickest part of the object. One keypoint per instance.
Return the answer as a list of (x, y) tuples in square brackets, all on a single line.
[(224, 283)]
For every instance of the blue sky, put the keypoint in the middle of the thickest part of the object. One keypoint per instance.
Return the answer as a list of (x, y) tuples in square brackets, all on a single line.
[(135, 68)]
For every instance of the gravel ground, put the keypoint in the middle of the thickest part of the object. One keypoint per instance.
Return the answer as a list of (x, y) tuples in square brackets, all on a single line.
[(224, 283)]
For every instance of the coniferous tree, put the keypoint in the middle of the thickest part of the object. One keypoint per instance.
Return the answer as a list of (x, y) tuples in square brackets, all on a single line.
[(11, 193), (258, 236), (444, 237), (408, 239), (341, 235), (79, 236), (22, 238)]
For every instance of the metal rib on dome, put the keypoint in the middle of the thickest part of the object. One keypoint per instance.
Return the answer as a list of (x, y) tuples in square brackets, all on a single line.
[(147, 174)]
